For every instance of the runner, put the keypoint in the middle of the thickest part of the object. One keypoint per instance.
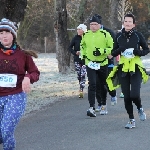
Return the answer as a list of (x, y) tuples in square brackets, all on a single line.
[(96, 45), (110, 67), (80, 67), (17, 71), (130, 70)]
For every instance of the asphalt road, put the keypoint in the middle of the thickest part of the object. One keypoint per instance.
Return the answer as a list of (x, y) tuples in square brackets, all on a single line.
[(65, 126)]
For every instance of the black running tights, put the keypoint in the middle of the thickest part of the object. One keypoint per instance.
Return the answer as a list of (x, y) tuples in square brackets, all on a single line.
[(131, 85)]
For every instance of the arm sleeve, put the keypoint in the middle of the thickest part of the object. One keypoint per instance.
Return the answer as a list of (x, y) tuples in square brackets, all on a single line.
[(109, 45), (32, 71), (83, 48), (71, 46), (116, 51), (112, 34)]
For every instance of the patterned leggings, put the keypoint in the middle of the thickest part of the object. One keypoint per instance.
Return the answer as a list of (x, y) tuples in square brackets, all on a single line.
[(81, 72), (11, 109)]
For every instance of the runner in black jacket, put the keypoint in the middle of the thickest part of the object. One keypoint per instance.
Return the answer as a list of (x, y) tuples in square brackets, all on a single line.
[(74, 48), (130, 70)]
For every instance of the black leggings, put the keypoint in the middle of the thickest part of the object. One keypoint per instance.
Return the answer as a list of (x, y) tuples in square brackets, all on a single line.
[(131, 85), (92, 78)]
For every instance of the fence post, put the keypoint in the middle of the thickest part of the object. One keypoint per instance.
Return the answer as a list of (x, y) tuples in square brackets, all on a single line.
[(45, 43)]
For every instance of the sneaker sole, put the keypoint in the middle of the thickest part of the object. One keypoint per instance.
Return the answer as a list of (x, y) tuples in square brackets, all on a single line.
[(129, 128), (113, 103), (143, 119), (80, 96), (104, 113), (91, 115)]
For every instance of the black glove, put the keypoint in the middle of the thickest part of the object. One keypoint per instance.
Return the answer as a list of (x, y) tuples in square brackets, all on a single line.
[(137, 52), (96, 52), (118, 51), (84, 56), (83, 61)]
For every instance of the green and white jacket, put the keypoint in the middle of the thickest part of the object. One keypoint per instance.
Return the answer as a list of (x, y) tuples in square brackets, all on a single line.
[(100, 40)]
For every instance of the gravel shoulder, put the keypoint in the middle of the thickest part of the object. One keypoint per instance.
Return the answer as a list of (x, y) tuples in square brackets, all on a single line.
[(52, 86)]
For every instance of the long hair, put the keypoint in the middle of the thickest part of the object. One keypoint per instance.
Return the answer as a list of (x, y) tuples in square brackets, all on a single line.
[(27, 52), (31, 53)]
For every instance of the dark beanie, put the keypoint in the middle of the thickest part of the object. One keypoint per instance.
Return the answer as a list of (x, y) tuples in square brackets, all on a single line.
[(95, 19), (99, 17)]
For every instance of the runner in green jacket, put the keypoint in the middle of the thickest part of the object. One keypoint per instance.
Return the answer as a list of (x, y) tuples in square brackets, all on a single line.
[(96, 45)]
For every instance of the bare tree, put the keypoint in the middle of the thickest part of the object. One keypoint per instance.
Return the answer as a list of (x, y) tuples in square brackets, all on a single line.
[(114, 22), (62, 39), (123, 8)]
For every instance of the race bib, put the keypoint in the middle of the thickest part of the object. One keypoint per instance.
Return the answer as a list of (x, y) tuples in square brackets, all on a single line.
[(94, 65), (8, 80), (80, 55), (128, 53)]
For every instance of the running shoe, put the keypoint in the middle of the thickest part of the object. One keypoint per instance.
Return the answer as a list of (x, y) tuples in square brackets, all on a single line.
[(113, 101), (121, 95), (103, 110), (130, 124), (80, 94), (142, 115), (98, 109), (91, 112)]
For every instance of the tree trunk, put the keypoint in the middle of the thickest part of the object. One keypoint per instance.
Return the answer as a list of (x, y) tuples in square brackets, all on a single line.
[(114, 22), (81, 12), (62, 39)]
